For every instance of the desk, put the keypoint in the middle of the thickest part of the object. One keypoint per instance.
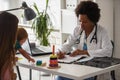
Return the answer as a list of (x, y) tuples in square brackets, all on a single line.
[(73, 71)]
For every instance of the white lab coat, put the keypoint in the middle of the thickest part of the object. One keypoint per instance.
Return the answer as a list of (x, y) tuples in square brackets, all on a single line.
[(101, 49)]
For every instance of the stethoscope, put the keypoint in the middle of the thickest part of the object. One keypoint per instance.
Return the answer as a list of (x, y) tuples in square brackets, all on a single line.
[(94, 37)]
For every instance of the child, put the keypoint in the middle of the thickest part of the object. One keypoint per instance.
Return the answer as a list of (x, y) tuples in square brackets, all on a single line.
[(22, 36), (8, 30)]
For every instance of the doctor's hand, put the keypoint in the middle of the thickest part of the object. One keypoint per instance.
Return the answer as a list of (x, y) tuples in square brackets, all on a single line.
[(78, 52), (75, 53), (60, 55)]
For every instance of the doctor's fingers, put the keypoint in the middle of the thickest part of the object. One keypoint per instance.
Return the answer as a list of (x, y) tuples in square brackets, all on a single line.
[(60, 52), (73, 54), (60, 56)]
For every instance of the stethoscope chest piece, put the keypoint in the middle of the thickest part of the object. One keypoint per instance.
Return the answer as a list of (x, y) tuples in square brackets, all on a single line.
[(94, 41)]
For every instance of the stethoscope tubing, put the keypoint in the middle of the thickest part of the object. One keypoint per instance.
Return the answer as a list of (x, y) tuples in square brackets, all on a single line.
[(94, 37)]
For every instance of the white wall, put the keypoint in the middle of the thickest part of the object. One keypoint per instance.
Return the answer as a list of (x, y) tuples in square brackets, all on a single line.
[(107, 16), (3, 5), (117, 28), (15, 4), (11, 4), (117, 33)]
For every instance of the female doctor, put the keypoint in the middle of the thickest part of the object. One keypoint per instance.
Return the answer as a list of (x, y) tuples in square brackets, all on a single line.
[(88, 38)]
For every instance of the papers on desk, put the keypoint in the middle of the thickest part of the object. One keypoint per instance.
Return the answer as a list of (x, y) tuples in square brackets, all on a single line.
[(68, 59)]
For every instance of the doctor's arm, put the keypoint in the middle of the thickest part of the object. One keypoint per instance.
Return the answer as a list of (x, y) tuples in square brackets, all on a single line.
[(67, 46)]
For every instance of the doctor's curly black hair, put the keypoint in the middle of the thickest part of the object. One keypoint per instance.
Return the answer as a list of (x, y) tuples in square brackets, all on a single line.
[(90, 9)]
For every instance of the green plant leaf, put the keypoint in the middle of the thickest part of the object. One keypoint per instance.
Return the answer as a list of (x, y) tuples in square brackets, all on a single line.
[(35, 6), (40, 25)]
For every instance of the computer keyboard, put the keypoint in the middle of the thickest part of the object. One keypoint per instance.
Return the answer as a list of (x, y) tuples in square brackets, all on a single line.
[(36, 50)]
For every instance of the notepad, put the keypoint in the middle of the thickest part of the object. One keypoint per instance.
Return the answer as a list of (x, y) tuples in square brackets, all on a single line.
[(68, 59)]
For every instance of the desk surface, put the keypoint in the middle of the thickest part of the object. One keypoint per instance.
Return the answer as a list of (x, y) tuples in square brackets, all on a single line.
[(72, 71)]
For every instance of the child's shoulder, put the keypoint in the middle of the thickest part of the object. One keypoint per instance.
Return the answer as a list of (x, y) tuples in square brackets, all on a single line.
[(17, 45)]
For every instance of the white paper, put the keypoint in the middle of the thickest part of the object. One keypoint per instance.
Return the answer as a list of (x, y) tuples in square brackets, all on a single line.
[(85, 59), (69, 59)]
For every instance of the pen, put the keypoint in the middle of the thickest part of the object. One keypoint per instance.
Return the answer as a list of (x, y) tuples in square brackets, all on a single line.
[(60, 54), (59, 50), (65, 62)]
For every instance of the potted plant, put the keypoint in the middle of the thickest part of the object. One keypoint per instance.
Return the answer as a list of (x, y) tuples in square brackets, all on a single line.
[(42, 25)]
